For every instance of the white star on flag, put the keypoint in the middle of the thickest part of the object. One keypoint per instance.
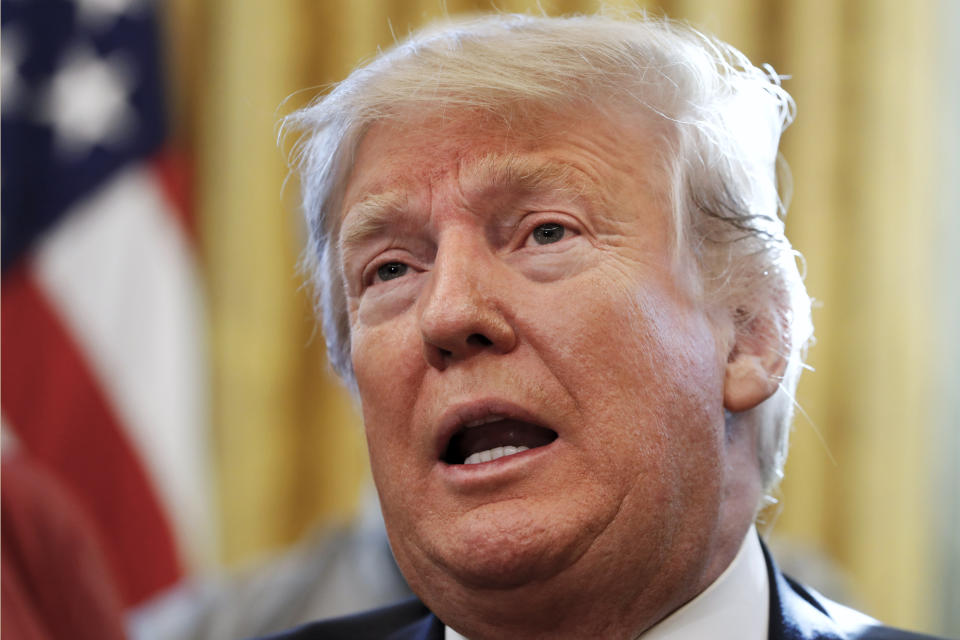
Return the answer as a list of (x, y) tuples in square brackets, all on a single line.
[(87, 103)]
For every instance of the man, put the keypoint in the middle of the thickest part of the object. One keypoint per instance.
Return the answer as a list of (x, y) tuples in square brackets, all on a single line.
[(551, 264)]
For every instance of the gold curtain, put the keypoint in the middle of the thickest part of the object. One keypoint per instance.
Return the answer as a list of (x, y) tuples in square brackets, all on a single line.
[(289, 446)]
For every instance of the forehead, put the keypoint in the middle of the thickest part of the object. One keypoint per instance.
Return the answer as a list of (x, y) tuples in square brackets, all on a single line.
[(579, 151), (404, 151)]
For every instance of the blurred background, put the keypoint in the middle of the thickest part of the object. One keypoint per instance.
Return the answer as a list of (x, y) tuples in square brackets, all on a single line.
[(163, 371)]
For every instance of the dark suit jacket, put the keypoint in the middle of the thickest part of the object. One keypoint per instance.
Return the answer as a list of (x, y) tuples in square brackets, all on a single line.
[(796, 613)]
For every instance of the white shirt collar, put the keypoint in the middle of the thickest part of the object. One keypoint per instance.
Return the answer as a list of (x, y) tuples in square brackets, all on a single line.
[(734, 607)]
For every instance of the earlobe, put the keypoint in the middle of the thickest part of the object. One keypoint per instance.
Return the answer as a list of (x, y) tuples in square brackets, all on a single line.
[(755, 367)]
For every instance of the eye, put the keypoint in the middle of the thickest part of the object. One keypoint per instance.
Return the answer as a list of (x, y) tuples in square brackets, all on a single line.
[(548, 233), (391, 270)]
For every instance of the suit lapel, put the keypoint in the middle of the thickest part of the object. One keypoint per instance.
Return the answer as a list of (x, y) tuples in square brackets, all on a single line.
[(798, 613), (794, 613)]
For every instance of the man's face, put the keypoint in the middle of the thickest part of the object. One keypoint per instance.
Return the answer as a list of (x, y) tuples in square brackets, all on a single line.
[(514, 287)]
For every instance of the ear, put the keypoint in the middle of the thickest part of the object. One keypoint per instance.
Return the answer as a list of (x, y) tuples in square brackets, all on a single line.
[(755, 364)]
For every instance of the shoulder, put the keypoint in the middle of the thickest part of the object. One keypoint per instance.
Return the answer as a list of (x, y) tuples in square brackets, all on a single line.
[(409, 619), (800, 613)]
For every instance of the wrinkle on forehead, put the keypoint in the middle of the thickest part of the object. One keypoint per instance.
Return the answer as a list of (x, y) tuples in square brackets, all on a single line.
[(479, 180)]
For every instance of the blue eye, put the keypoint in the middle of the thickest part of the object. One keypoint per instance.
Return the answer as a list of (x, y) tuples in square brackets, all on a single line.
[(391, 270), (548, 233)]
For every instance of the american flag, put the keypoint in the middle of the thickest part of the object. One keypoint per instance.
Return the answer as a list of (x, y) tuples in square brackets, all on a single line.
[(103, 378)]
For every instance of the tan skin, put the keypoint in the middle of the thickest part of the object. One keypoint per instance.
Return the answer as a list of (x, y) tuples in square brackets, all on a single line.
[(476, 290)]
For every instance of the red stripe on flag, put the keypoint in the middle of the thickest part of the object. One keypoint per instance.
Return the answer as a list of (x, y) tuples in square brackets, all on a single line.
[(173, 175), (62, 417)]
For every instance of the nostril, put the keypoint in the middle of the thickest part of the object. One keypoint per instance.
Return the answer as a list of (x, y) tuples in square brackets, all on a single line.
[(478, 339)]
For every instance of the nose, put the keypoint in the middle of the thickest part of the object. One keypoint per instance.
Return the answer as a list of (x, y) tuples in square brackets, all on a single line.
[(461, 311)]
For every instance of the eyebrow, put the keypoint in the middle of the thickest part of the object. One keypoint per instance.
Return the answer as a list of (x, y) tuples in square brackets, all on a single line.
[(527, 175), (369, 217), (482, 178)]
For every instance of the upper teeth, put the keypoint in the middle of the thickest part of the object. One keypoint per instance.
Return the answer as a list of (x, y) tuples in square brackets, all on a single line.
[(493, 454), (480, 421)]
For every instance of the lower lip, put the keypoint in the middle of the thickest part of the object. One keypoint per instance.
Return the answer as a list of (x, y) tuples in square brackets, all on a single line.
[(505, 469)]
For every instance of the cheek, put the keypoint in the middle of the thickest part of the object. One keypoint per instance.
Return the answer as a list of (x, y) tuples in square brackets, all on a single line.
[(640, 366), (388, 367), (604, 341), (386, 356)]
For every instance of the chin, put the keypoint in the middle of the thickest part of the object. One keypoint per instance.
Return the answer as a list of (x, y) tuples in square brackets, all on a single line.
[(506, 545)]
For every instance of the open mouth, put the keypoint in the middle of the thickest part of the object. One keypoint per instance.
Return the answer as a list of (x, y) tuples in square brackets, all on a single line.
[(495, 437)]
